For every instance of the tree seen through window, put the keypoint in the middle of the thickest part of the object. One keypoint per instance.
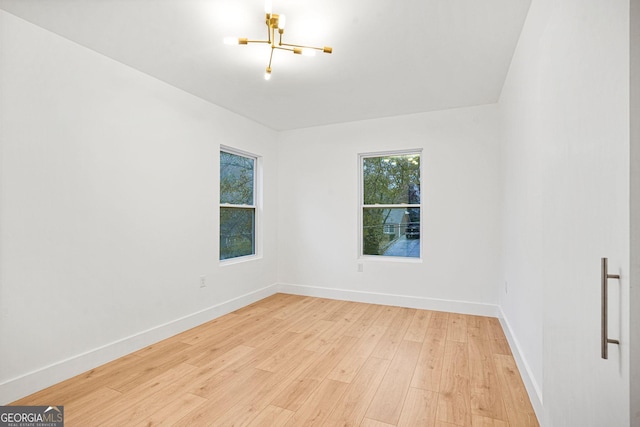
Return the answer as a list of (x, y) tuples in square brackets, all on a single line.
[(391, 205), (237, 205)]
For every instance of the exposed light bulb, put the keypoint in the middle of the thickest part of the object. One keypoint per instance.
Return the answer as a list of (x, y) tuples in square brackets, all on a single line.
[(282, 20), (267, 74), (308, 52), (268, 6), (231, 40)]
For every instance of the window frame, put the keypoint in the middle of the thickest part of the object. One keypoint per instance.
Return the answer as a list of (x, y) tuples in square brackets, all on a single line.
[(361, 206), (256, 206)]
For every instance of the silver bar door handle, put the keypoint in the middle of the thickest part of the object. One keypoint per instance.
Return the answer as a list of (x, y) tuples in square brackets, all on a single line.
[(605, 308)]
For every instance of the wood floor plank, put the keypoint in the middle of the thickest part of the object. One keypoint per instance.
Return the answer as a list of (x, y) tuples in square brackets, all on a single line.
[(254, 400), (439, 320), (168, 413), (454, 400), (486, 399), (76, 411), (317, 311), (277, 301), (353, 405), (149, 367), (330, 306), (295, 343), (419, 408), (211, 344), (386, 316), (418, 327), (498, 340), (457, 328), (429, 368), (391, 339), (364, 323), (284, 385), (387, 403), (319, 405), (514, 394), (143, 401), (352, 315), (349, 310), (292, 309), (223, 396), (308, 374), (222, 328), (259, 355), (297, 393), (478, 327), (323, 340), (368, 422), (348, 367), (272, 330), (224, 360), (131, 408), (500, 346), (271, 416), (216, 325), (480, 421), (210, 376), (330, 358), (297, 360)]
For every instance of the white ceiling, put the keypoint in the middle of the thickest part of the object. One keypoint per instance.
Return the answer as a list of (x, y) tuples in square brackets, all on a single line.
[(389, 57)]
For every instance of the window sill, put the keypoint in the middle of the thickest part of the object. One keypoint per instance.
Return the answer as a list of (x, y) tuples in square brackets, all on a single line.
[(381, 258), (239, 260)]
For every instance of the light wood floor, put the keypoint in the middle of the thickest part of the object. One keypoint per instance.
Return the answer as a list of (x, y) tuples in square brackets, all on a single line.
[(299, 361)]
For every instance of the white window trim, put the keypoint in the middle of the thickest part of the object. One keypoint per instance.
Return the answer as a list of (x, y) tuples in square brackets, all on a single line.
[(361, 206), (257, 206)]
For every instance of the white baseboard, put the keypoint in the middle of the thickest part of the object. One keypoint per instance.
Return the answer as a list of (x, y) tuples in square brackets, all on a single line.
[(451, 306), (31, 382), (533, 389)]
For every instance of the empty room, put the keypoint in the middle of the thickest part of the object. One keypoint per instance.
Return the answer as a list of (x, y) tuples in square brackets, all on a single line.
[(239, 212)]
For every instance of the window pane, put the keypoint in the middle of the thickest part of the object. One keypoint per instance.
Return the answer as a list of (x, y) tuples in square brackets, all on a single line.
[(391, 232), (236, 179), (237, 236), (391, 179)]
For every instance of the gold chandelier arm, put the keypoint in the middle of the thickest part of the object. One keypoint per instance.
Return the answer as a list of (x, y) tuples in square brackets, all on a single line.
[(271, 57), (325, 49), (288, 49)]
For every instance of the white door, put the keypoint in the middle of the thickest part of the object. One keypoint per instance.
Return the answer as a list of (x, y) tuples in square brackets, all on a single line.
[(585, 132)]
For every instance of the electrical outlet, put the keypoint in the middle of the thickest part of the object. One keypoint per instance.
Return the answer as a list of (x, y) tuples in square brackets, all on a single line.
[(360, 267), (203, 281)]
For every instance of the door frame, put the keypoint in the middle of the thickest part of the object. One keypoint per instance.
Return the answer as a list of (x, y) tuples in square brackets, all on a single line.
[(634, 203)]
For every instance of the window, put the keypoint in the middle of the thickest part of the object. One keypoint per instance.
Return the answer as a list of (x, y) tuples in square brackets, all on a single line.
[(237, 204), (390, 204)]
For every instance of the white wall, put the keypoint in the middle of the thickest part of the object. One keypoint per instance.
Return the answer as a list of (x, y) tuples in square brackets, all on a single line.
[(109, 183), (462, 188), (565, 110)]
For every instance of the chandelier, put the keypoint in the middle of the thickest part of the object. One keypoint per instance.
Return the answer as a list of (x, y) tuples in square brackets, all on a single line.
[(277, 22)]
